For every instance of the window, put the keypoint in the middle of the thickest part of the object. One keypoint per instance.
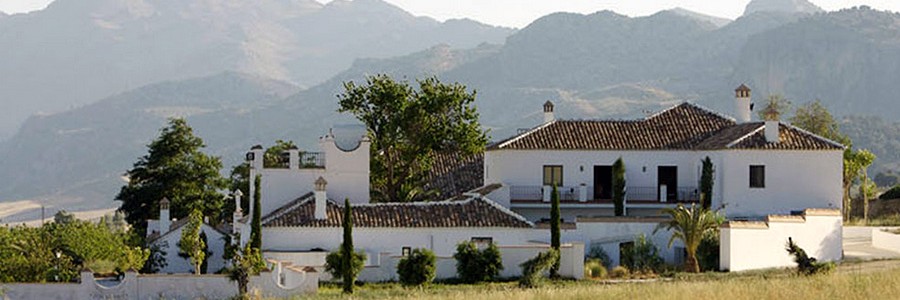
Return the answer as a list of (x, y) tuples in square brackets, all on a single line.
[(757, 176), (553, 175), (406, 251)]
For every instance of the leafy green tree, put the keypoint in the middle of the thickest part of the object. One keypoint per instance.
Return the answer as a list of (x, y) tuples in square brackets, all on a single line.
[(554, 229), (775, 107), (255, 226), (707, 178), (815, 118), (406, 126), (63, 217), (864, 159), (618, 186), (191, 243), (690, 225), (245, 263), (417, 268), (174, 168)]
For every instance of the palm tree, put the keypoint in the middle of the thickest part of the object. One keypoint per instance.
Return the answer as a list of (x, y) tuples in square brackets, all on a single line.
[(690, 225)]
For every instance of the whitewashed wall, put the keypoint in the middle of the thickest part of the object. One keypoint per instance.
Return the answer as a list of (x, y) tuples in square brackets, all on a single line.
[(525, 167), (177, 287), (885, 240), (383, 267), (760, 245), (794, 181), (608, 233), (388, 240), (176, 264), (347, 174)]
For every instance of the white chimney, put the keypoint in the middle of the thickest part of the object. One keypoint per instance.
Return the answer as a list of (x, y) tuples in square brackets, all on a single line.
[(255, 157), (548, 112), (164, 220), (772, 131), (742, 104), (321, 197)]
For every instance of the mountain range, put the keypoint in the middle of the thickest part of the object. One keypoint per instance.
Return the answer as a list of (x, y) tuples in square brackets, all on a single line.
[(601, 65), (75, 52)]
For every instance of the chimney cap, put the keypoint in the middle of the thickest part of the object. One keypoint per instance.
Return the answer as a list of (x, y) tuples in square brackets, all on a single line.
[(164, 201), (320, 184), (742, 88), (256, 147), (548, 106)]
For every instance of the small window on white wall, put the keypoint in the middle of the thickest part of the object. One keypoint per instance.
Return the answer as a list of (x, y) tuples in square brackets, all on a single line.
[(553, 175), (757, 176), (406, 251)]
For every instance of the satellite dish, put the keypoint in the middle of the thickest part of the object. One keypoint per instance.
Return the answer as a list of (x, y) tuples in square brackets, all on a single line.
[(348, 137)]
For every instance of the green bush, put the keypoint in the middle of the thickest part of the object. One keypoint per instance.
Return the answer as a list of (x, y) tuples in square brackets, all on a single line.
[(533, 269), (334, 263), (708, 252), (807, 265), (417, 268), (893, 193), (594, 268), (619, 272), (597, 252), (643, 257), (473, 265)]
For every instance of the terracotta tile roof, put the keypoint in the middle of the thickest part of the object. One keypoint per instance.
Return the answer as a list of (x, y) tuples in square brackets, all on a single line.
[(472, 212), (682, 127), (453, 174)]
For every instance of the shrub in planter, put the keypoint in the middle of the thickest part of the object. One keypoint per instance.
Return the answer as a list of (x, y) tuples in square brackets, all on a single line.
[(533, 269), (474, 265), (594, 268), (417, 268), (619, 272)]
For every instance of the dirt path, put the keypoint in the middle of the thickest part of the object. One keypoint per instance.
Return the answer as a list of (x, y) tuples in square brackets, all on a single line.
[(868, 266)]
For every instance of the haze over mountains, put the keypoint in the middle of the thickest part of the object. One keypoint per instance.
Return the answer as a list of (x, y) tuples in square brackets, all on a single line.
[(77, 51), (602, 65)]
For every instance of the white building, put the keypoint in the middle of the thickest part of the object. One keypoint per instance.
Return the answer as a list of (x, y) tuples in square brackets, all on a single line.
[(765, 172), (761, 168), (165, 233)]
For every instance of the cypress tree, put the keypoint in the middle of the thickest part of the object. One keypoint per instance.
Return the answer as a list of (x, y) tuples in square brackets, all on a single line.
[(255, 227), (618, 185), (347, 249), (706, 183), (554, 229)]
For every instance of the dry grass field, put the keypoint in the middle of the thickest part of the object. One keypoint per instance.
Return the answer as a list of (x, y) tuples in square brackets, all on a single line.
[(850, 282)]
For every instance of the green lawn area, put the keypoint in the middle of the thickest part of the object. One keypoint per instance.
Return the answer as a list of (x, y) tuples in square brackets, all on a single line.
[(778, 284)]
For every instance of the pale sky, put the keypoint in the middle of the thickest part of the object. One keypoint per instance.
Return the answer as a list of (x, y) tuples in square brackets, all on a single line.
[(518, 13)]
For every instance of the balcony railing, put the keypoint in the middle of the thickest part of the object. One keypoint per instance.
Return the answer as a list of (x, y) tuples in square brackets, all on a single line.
[(645, 194), (312, 160)]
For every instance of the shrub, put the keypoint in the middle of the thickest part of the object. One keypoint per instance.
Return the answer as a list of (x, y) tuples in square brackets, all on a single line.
[(643, 256), (598, 253), (893, 193), (594, 268), (417, 268), (334, 263), (807, 265), (708, 252), (473, 265), (533, 269), (619, 272)]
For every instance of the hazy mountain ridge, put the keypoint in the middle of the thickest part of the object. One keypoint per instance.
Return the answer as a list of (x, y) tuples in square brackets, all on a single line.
[(790, 6), (59, 57), (601, 65)]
